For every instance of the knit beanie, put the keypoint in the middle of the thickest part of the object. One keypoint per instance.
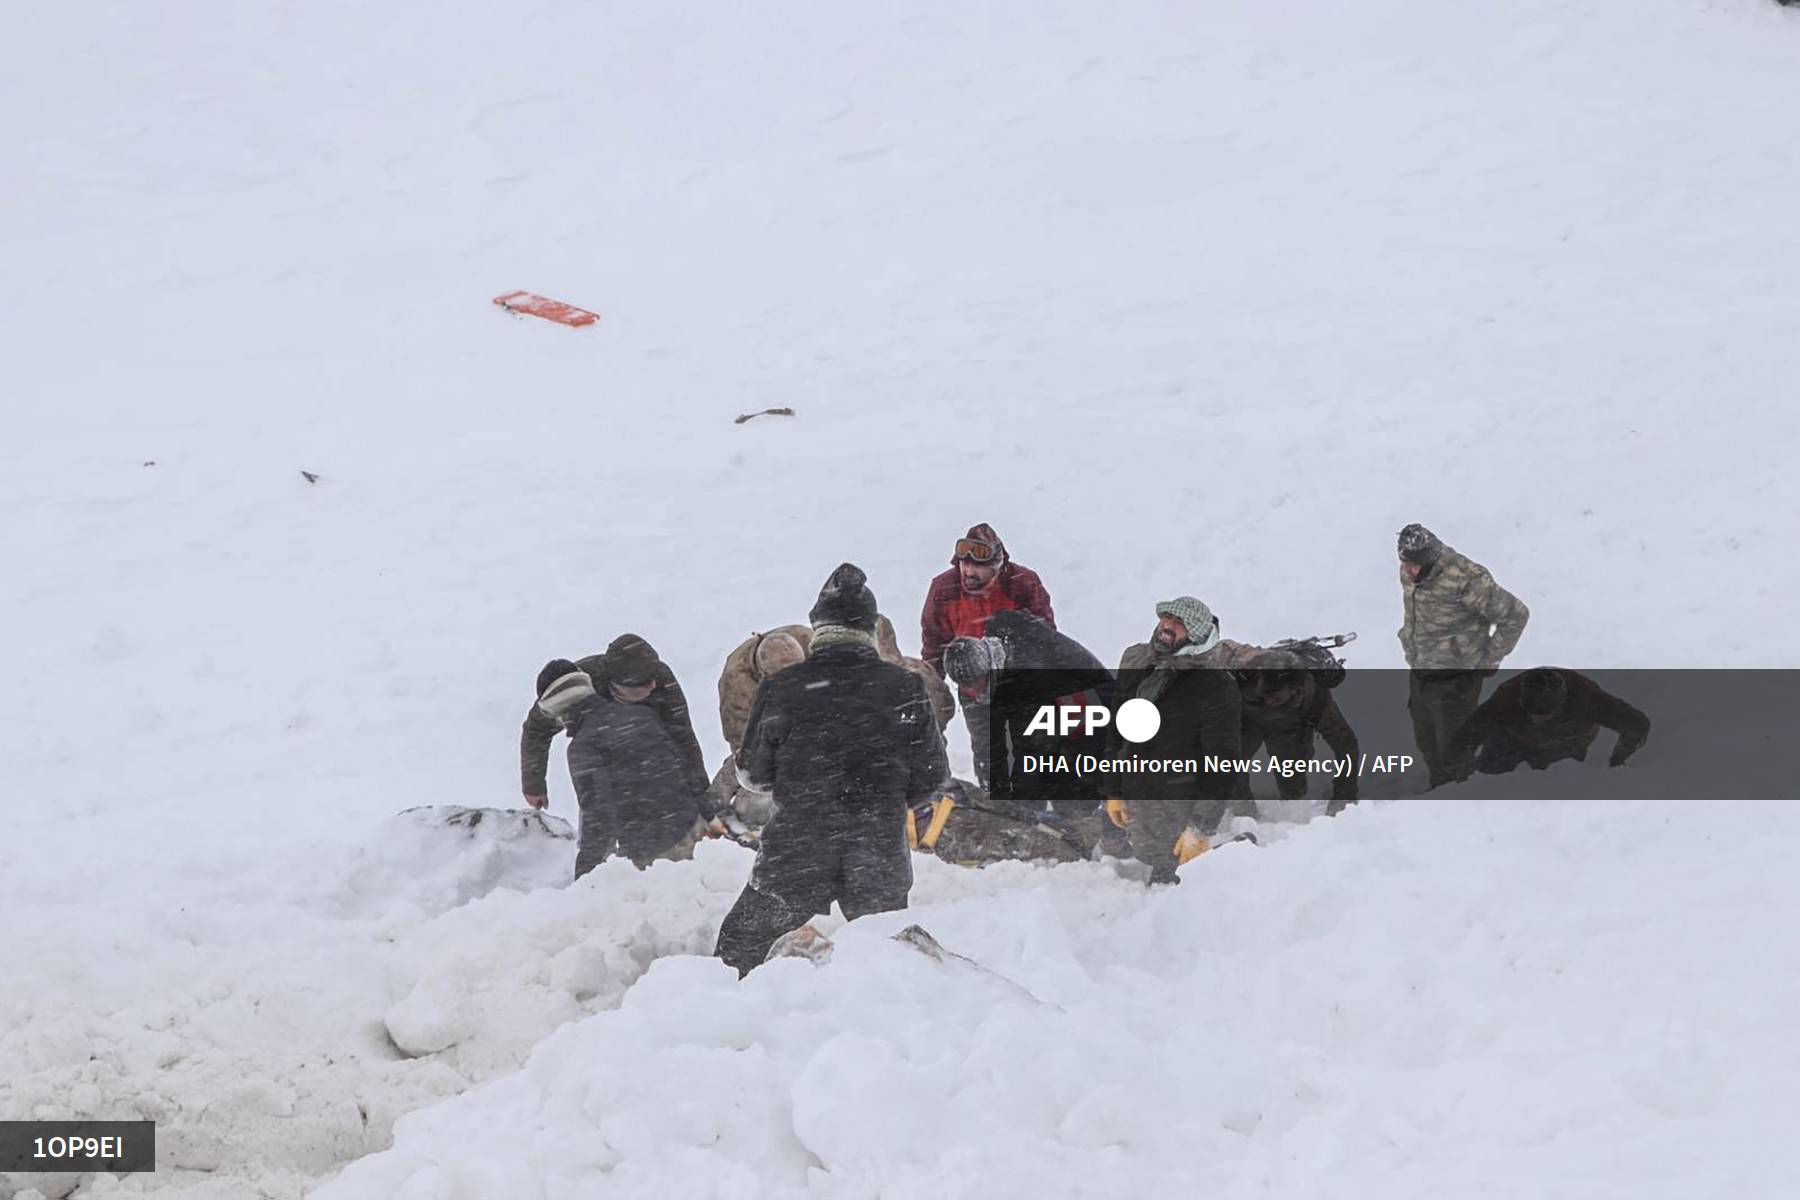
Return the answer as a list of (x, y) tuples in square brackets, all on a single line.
[(561, 685), (1542, 692), (1419, 546), (967, 660), (846, 600)]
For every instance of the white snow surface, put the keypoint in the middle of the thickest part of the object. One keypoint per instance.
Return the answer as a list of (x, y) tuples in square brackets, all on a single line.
[(1201, 297)]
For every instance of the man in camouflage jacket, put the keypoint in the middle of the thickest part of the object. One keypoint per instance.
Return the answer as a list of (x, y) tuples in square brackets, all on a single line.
[(1458, 626)]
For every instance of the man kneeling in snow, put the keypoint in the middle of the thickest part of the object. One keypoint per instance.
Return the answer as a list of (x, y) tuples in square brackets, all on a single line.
[(639, 792), (843, 742), (1544, 716)]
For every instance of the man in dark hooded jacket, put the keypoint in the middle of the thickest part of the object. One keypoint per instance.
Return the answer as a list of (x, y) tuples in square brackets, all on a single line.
[(843, 742), (1284, 708), (1020, 666), (629, 671), (638, 793), (1544, 716)]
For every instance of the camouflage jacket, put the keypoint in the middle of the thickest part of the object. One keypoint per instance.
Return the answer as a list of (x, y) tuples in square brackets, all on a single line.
[(1457, 618)]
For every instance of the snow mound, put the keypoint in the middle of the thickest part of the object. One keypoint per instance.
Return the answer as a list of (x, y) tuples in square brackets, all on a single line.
[(270, 1062), (437, 857), (1328, 1015)]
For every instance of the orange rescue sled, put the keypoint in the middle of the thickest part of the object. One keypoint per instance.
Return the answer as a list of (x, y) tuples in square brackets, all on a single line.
[(542, 306)]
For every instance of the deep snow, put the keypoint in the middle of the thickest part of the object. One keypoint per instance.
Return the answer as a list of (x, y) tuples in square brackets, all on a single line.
[(1183, 297)]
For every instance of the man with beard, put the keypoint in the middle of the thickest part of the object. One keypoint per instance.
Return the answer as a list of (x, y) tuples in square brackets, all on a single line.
[(1546, 715), (843, 742), (639, 794), (1171, 816), (982, 580), (1458, 626)]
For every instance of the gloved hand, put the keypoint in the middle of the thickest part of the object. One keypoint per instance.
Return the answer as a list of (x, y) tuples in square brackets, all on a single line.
[(1190, 845), (539, 802), (715, 828), (1116, 812)]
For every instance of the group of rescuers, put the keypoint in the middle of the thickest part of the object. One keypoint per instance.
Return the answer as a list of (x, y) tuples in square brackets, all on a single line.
[(838, 771)]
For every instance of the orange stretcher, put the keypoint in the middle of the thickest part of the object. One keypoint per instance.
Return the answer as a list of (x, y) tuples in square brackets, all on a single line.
[(535, 305)]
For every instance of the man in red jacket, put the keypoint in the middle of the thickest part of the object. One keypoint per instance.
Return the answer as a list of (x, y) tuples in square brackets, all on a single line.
[(981, 581)]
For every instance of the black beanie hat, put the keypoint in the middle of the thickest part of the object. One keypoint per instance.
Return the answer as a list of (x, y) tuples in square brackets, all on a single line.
[(631, 661), (846, 600), (1418, 545), (554, 670), (1541, 692)]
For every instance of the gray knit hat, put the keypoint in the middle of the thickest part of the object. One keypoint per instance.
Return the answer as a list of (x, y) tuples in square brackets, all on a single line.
[(967, 660), (1419, 546), (1202, 626)]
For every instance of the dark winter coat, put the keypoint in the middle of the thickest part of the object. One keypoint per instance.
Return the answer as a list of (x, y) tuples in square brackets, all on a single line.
[(630, 770), (1287, 728), (1568, 733), (951, 613), (1201, 715), (1043, 667), (844, 741), (667, 702), (843, 735)]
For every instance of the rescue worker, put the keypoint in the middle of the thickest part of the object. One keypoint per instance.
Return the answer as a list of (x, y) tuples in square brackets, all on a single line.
[(1543, 716), (1171, 816), (1458, 626), (982, 580), (843, 742)]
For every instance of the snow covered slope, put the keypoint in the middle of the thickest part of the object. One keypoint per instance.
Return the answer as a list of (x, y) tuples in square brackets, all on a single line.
[(1427, 1000), (1181, 296)]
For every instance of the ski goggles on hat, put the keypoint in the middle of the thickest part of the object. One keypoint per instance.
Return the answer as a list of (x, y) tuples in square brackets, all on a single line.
[(975, 551)]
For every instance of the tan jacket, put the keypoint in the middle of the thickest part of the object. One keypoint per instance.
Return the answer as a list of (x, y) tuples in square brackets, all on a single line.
[(741, 677), (1457, 618)]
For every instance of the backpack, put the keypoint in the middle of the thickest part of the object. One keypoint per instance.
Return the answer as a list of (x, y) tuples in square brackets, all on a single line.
[(1315, 654)]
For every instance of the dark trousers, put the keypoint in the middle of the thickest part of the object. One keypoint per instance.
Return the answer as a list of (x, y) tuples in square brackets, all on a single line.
[(1284, 742), (599, 837), (1440, 701), (1156, 821), (805, 862), (978, 717)]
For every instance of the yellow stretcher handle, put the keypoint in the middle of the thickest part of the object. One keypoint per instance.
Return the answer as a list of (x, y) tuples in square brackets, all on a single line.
[(940, 815)]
